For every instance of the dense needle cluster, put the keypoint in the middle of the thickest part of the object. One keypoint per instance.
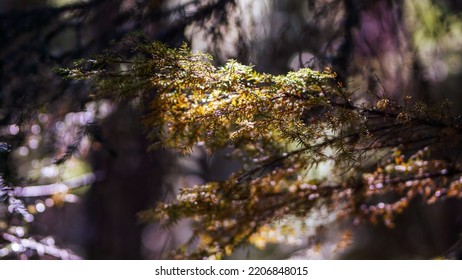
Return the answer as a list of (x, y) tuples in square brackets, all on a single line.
[(381, 153)]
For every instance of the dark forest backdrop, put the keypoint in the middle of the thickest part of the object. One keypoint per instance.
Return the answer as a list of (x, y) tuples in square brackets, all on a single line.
[(76, 171)]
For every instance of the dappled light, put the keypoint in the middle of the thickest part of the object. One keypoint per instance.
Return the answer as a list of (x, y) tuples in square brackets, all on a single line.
[(230, 129)]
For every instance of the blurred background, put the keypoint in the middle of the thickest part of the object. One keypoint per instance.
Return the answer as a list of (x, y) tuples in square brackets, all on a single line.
[(76, 172)]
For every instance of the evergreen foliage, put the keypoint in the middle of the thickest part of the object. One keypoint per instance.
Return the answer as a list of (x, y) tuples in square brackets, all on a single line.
[(382, 153)]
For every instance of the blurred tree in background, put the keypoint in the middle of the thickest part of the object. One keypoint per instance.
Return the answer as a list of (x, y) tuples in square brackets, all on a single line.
[(76, 170)]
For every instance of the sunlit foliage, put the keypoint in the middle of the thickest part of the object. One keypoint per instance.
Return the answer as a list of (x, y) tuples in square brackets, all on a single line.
[(382, 154), (437, 36)]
